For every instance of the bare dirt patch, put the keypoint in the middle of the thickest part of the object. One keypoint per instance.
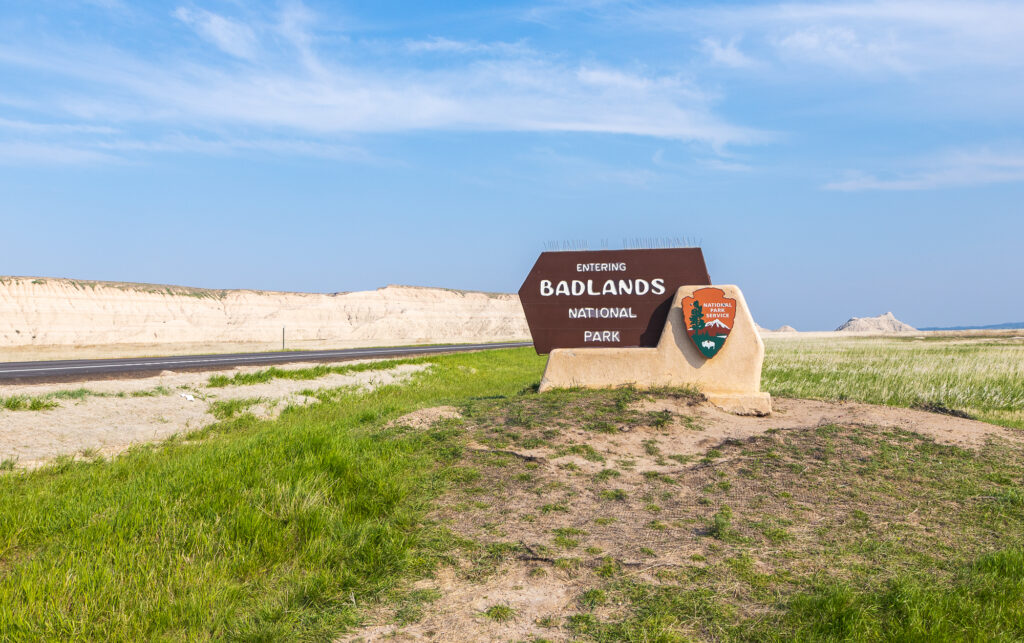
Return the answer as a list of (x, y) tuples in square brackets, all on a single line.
[(804, 414), (461, 613), (423, 418), (569, 496), (112, 415)]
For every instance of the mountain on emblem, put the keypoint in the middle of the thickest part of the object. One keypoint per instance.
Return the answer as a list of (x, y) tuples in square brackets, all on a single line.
[(709, 317)]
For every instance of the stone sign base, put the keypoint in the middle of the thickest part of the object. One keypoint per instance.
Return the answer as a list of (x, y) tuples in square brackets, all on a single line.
[(731, 379)]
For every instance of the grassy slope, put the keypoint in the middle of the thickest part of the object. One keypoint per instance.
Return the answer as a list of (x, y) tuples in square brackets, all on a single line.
[(982, 377), (248, 529)]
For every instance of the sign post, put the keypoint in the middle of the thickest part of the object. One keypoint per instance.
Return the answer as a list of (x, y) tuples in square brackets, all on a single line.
[(645, 318)]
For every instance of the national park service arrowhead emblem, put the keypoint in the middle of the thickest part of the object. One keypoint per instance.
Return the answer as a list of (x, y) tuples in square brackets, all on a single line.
[(709, 316)]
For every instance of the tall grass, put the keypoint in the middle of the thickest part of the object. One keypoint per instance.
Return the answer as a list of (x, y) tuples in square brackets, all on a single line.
[(984, 378), (227, 409), (48, 401), (27, 403), (311, 373), (986, 602), (252, 529)]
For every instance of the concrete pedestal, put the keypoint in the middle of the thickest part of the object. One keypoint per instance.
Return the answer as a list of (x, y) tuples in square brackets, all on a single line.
[(730, 380)]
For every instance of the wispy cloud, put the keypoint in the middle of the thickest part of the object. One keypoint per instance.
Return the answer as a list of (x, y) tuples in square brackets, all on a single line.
[(953, 169), (844, 47), (54, 128), (308, 93), (288, 74), (903, 36), (725, 166), (34, 152), (297, 24), (227, 35), (720, 164), (183, 144), (438, 44), (727, 54)]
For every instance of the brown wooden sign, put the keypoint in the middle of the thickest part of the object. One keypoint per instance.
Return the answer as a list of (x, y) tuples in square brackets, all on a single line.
[(606, 297)]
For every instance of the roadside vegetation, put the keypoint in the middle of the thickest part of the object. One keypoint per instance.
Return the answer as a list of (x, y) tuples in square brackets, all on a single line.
[(982, 377), (311, 373), (52, 400), (27, 403), (249, 529), (302, 527), (227, 409)]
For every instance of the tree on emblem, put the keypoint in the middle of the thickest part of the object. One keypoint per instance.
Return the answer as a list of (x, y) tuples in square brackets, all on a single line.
[(697, 318)]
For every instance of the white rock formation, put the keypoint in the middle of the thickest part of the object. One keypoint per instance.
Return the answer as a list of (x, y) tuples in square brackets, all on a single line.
[(55, 313), (886, 323)]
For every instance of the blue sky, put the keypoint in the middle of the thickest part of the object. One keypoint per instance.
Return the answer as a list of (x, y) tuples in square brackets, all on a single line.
[(833, 159)]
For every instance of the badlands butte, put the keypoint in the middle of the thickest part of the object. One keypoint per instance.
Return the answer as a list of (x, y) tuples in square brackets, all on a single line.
[(43, 318), (47, 318)]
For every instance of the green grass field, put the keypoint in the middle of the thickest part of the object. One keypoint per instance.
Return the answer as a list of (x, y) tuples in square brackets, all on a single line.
[(981, 376), (289, 529)]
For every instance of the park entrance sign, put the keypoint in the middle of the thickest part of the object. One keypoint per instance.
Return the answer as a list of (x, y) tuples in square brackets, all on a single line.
[(610, 298), (644, 318)]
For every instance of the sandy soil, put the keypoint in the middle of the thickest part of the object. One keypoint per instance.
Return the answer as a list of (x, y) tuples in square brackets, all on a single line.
[(425, 418), (805, 414), (533, 587), (112, 420)]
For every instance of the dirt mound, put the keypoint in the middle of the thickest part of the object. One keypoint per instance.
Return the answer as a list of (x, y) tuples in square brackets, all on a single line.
[(886, 323), (785, 329), (599, 485)]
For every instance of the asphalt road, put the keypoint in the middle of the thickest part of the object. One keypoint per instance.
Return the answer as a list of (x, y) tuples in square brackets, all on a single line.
[(84, 369)]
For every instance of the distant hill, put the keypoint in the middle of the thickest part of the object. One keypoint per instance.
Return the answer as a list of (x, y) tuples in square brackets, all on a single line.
[(65, 317), (886, 323), (989, 327), (781, 329)]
